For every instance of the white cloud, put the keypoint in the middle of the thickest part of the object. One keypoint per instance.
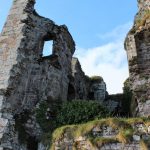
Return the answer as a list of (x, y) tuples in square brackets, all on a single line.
[(117, 33), (108, 61)]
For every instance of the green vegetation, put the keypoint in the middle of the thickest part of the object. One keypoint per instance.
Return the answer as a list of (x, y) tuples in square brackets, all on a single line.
[(123, 125), (80, 111), (96, 79), (53, 115), (99, 141), (83, 129), (46, 115), (42, 116)]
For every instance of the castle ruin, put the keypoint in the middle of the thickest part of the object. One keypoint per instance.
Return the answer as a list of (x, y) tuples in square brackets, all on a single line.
[(27, 77)]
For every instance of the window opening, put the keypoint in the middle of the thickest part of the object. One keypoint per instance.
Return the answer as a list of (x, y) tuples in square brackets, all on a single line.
[(47, 48)]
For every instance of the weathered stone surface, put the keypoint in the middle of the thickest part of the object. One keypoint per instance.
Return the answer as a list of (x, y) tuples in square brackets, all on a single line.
[(84, 87), (114, 103), (104, 136), (98, 90), (137, 45), (26, 76), (79, 85)]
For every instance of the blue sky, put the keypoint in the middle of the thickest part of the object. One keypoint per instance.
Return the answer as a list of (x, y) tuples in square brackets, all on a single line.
[(98, 28)]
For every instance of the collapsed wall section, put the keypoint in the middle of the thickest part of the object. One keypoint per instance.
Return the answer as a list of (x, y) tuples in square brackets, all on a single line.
[(78, 82), (84, 87)]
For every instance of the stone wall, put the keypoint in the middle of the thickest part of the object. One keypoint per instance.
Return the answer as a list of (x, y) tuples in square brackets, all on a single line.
[(137, 45), (97, 89), (78, 82), (84, 87), (114, 104), (26, 76), (106, 134)]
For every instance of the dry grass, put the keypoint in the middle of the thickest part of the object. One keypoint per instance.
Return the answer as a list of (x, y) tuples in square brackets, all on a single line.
[(100, 141), (124, 136), (141, 22), (143, 145), (124, 126)]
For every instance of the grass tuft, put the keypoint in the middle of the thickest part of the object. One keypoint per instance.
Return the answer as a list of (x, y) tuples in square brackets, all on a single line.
[(123, 125)]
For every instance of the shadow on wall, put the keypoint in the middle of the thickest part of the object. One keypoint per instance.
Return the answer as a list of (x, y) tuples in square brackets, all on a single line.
[(71, 92)]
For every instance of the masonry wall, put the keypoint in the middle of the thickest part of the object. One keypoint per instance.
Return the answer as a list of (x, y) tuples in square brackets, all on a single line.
[(26, 76), (84, 87), (137, 45), (104, 134), (78, 81)]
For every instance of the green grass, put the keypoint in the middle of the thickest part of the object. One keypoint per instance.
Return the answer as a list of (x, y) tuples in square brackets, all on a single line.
[(124, 126)]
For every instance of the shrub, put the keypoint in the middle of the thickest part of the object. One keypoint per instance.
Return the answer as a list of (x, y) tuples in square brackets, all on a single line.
[(80, 111), (46, 115), (53, 115), (74, 112)]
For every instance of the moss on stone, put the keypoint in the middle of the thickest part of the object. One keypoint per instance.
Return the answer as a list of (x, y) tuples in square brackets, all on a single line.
[(123, 125), (141, 22), (96, 79)]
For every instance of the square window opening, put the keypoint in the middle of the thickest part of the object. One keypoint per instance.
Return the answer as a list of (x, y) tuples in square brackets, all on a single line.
[(47, 48)]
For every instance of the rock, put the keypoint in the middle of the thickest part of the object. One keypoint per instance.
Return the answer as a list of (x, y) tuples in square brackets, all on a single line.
[(148, 129), (141, 128), (137, 47), (80, 139), (84, 87), (136, 138)]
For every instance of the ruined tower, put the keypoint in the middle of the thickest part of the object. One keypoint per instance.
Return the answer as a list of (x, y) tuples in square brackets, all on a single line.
[(137, 45), (26, 76)]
